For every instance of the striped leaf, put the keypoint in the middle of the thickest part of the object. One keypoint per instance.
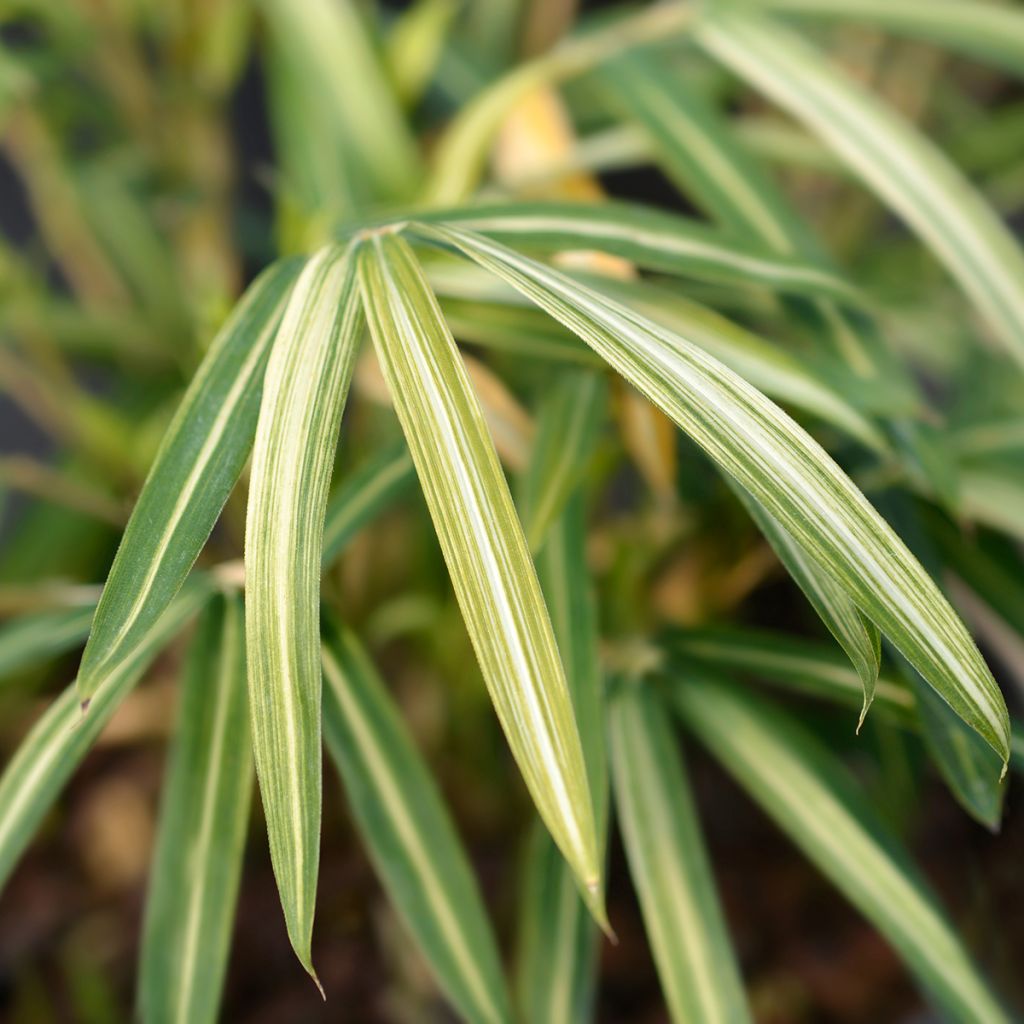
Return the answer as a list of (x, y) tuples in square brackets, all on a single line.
[(649, 238), (204, 810), (483, 545), (58, 742), (409, 833), (857, 636), (783, 468), (669, 864), (808, 793), (556, 958), (792, 663), (293, 456), (992, 32), (193, 474), (904, 168), (364, 495), (567, 428), (41, 636)]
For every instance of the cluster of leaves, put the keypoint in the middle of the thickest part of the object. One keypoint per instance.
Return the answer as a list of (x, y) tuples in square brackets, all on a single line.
[(715, 322)]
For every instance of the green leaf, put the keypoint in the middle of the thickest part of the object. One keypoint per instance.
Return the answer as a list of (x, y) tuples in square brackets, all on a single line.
[(483, 545), (204, 810), (793, 663), (556, 961), (857, 636), (650, 238), (40, 636), (364, 495), (197, 466), (783, 468), (306, 385), (409, 833), (669, 863), (60, 739), (903, 167), (568, 423), (989, 31), (810, 796)]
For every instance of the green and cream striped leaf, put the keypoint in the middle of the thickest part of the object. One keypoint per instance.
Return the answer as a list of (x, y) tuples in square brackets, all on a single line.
[(204, 810), (61, 738), (796, 664), (369, 491), (198, 463), (808, 793), (483, 544), (668, 863), (992, 32), (409, 833), (782, 467), (557, 943), (41, 636), (568, 424), (857, 636), (649, 238), (903, 167), (307, 381)]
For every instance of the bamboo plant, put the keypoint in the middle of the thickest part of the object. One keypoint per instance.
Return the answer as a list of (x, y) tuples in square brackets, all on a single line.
[(625, 418)]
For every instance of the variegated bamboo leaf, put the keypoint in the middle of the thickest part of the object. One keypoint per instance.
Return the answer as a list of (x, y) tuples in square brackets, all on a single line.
[(59, 741), (204, 809), (293, 457), (807, 792), (483, 544), (857, 636), (782, 467), (196, 468), (368, 492), (409, 833), (669, 863), (906, 170)]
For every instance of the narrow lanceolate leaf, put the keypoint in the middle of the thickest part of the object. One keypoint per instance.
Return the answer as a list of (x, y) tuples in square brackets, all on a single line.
[(196, 468), (808, 793), (567, 427), (556, 959), (40, 636), (649, 238), (783, 468), (906, 170), (293, 456), (669, 864), (56, 744), (409, 834), (204, 809), (792, 663), (992, 32), (364, 495), (483, 544), (856, 635)]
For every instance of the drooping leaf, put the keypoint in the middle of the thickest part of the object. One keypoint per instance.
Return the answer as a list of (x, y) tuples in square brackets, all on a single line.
[(483, 544), (204, 810), (40, 636), (669, 864), (304, 394), (409, 833), (58, 742), (365, 494), (193, 474), (857, 636), (807, 792), (907, 171), (649, 238), (782, 467)]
